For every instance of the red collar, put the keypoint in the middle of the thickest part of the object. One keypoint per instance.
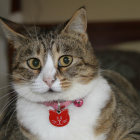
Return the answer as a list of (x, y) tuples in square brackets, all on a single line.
[(63, 104)]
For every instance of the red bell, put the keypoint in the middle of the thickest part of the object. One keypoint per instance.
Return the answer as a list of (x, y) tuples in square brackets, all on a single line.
[(78, 103)]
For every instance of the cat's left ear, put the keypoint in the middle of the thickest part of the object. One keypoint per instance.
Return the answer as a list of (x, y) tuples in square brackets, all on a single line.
[(12, 31), (78, 23)]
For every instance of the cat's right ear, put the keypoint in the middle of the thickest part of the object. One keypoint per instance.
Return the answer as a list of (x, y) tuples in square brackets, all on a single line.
[(77, 23), (11, 31)]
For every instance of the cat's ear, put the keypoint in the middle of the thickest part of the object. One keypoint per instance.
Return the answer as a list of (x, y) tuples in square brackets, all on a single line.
[(12, 31), (78, 23)]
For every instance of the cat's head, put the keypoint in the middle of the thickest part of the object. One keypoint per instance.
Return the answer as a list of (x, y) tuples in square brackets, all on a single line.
[(55, 64)]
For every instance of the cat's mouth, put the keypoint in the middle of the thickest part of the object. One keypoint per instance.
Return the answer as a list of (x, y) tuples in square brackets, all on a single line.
[(51, 91)]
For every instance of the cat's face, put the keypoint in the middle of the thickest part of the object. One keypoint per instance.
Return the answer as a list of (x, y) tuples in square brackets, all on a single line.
[(55, 65)]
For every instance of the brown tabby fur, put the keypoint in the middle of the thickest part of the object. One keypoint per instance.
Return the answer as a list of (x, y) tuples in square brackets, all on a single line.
[(121, 116), (119, 119)]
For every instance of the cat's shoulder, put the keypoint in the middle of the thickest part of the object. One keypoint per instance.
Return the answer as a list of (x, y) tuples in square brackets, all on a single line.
[(122, 110), (121, 86)]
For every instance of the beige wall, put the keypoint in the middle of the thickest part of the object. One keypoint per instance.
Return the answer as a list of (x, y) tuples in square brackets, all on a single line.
[(4, 8), (98, 10), (4, 12)]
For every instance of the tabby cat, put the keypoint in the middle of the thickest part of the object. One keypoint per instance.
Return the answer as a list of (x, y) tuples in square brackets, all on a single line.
[(61, 92)]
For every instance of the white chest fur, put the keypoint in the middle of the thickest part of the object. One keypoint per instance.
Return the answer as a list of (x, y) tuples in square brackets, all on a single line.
[(35, 117)]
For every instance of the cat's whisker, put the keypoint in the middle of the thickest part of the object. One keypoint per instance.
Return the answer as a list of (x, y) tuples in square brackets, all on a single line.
[(11, 76), (6, 74), (10, 101), (26, 81), (9, 111), (5, 87), (77, 89), (15, 76), (10, 87), (9, 121), (6, 95), (8, 104)]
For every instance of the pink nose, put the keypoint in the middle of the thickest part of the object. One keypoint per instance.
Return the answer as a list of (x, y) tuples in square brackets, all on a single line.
[(49, 81)]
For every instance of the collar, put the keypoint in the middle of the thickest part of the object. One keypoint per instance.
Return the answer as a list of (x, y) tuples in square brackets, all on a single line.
[(63, 104)]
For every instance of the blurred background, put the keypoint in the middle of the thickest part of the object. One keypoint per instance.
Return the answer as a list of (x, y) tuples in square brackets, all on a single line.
[(113, 28)]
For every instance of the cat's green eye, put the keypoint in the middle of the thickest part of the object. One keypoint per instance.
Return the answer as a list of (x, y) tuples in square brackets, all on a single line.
[(34, 63), (65, 61)]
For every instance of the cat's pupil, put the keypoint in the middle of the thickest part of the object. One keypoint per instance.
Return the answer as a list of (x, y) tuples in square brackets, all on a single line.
[(66, 60), (35, 62)]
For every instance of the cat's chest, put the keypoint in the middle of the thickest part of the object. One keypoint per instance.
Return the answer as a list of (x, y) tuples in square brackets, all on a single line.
[(82, 121), (81, 125)]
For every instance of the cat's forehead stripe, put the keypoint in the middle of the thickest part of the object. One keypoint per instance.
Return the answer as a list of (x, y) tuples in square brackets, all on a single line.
[(38, 50), (51, 43), (53, 46)]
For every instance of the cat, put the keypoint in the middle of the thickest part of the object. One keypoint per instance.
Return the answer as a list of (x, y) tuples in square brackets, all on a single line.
[(61, 92)]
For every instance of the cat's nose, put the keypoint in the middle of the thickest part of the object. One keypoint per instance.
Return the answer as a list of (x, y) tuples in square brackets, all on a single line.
[(49, 81)]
